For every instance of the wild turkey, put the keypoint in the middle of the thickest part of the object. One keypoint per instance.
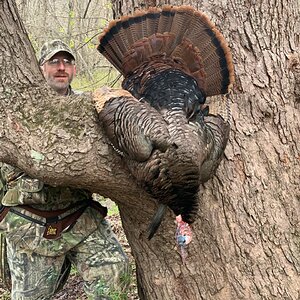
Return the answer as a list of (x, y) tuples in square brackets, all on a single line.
[(171, 59)]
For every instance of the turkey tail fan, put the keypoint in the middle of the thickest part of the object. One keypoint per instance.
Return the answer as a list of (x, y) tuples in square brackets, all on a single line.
[(181, 17), (156, 221), (181, 35)]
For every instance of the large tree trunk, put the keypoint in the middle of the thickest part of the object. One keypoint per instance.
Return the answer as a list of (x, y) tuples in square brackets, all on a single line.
[(246, 239)]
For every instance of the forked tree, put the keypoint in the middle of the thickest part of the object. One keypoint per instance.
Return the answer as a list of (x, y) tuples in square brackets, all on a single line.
[(246, 237)]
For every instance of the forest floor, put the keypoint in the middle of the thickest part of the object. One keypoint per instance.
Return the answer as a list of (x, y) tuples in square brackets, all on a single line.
[(73, 289)]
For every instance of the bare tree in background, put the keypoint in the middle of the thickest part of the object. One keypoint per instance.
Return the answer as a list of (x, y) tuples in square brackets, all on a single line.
[(78, 23), (246, 243)]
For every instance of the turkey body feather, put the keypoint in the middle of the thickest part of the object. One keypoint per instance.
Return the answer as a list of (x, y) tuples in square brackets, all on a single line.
[(172, 59)]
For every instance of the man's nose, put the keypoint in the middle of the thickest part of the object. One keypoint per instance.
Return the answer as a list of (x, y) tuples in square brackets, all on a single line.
[(61, 65)]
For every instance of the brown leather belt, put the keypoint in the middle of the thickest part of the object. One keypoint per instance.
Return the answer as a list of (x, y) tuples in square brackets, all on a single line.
[(56, 220)]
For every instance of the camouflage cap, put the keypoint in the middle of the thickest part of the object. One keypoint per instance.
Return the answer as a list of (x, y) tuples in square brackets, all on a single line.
[(51, 48)]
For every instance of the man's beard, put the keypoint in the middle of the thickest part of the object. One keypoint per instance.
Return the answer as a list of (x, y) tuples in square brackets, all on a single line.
[(59, 85)]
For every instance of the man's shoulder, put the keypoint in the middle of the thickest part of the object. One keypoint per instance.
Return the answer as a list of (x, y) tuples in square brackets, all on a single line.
[(76, 92)]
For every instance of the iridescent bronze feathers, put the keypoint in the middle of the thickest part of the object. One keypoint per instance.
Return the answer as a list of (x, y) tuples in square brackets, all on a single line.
[(171, 59)]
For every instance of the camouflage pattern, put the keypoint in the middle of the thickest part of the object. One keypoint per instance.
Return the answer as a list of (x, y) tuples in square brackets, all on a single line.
[(73, 92), (49, 49), (37, 264), (4, 268), (22, 189)]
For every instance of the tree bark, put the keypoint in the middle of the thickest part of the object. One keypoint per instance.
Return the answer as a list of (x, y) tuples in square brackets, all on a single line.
[(246, 239)]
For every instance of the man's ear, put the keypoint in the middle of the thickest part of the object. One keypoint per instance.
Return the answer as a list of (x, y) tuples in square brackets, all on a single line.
[(74, 73)]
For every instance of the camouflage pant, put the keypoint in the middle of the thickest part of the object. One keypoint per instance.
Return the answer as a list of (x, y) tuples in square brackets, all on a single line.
[(36, 263)]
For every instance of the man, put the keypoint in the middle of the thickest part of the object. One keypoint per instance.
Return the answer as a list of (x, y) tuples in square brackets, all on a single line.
[(57, 63), (49, 228)]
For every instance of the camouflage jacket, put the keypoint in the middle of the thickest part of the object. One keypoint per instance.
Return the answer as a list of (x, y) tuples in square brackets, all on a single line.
[(17, 188)]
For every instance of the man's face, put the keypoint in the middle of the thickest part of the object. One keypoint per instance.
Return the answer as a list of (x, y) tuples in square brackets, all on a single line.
[(59, 71)]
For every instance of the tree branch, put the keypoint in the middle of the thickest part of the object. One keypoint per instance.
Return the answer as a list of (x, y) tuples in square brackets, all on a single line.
[(87, 8), (57, 139)]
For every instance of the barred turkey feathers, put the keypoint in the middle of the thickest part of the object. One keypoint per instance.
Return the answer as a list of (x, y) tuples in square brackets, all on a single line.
[(121, 110), (171, 59)]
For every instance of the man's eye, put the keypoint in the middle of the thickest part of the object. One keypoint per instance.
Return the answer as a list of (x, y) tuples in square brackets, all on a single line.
[(54, 61), (67, 61)]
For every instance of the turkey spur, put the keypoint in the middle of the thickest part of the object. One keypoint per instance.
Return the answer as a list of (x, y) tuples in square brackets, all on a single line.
[(171, 139)]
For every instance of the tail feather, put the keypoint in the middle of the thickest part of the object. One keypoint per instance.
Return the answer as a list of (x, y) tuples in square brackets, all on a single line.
[(152, 21), (182, 21), (123, 41), (136, 24), (166, 19)]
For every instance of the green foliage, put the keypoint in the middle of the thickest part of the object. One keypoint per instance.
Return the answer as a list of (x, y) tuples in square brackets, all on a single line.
[(88, 41), (72, 44), (112, 207), (115, 294), (101, 288), (71, 23), (108, 5), (113, 210), (72, 14), (103, 23), (61, 30), (102, 77), (126, 280), (71, 18), (73, 270)]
